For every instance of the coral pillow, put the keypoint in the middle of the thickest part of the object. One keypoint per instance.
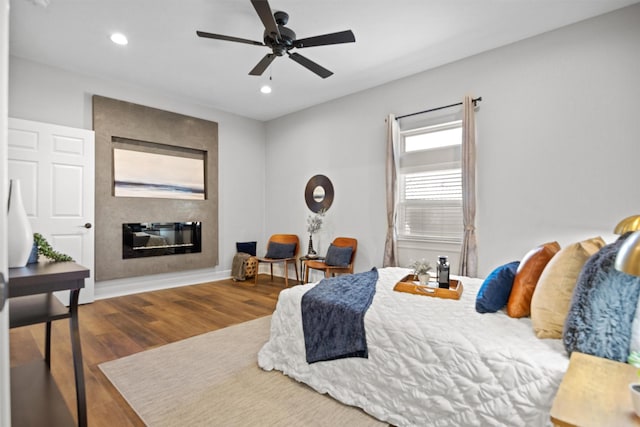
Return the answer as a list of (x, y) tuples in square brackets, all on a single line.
[(494, 292), (529, 271), (602, 308), (552, 296)]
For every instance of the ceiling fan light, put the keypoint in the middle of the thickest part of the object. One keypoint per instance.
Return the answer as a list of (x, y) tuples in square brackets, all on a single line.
[(265, 89), (119, 38), (281, 39)]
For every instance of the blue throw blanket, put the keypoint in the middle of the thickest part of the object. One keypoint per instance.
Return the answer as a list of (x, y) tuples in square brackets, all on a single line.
[(333, 316)]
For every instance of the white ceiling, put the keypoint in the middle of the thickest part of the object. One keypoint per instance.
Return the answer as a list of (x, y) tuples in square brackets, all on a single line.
[(394, 38)]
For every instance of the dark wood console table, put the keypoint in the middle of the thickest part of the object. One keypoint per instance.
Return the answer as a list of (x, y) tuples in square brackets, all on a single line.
[(35, 399)]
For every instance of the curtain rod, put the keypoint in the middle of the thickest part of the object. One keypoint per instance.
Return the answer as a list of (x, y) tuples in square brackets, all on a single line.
[(475, 101)]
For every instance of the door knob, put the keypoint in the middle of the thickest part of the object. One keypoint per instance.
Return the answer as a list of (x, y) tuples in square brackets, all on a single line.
[(87, 225)]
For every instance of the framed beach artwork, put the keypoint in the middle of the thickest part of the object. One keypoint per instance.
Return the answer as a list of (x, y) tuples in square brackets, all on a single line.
[(144, 174)]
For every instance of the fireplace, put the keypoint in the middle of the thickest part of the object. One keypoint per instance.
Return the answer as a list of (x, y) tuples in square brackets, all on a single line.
[(146, 239)]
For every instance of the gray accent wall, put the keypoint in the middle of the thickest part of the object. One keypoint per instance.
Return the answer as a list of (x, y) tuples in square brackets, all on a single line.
[(120, 119)]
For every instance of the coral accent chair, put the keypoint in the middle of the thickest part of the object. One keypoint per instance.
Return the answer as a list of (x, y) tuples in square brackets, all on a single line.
[(276, 243), (331, 270)]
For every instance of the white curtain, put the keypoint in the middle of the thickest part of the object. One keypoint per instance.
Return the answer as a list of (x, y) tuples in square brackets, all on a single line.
[(391, 243), (469, 253)]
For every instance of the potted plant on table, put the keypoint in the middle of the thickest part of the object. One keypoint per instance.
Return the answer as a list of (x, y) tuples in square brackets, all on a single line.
[(42, 247), (421, 269), (314, 223)]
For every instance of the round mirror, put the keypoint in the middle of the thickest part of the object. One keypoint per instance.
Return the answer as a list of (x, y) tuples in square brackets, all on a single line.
[(319, 193)]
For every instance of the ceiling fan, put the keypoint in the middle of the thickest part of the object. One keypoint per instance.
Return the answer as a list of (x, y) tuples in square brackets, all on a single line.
[(281, 40)]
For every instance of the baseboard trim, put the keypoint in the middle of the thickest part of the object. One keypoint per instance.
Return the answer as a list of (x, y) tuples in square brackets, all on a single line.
[(134, 285)]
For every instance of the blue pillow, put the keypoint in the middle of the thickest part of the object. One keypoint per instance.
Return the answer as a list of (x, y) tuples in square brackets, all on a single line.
[(338, 256), (602, 308), (494, 292), (247, 247), (280, 250)]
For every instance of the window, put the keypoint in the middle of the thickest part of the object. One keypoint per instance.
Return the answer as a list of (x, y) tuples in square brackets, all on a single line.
[(430, 180)]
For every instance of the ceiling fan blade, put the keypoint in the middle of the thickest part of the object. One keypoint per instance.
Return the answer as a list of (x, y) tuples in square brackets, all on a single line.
[(262, 65), (310, 65), (325, 39), (266, 16), (228, 38)]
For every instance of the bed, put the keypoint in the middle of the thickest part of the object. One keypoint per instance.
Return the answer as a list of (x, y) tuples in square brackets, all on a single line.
[(431, 361)]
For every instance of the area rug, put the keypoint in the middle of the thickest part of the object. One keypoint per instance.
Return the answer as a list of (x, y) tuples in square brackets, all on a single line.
[(213, 379)]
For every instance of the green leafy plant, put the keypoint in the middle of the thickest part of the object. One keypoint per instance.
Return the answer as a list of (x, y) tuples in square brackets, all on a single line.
[(314, 222), (45, 249), (420, 267)]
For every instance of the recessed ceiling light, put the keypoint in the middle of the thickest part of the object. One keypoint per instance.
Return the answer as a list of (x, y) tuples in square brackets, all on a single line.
[(119, 38), (265, 89), (43, 3)]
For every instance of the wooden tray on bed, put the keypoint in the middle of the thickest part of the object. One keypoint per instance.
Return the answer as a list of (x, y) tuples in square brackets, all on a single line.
[(411, 284)]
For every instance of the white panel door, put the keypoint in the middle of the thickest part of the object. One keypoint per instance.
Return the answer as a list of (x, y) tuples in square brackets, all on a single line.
[(55, 166)]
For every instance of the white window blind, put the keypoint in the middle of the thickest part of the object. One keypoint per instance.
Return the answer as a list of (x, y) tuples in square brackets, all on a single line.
[(430, 206)]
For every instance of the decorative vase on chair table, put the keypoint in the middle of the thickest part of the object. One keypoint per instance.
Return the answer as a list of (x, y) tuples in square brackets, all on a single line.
[(310, 252), (19, 233)]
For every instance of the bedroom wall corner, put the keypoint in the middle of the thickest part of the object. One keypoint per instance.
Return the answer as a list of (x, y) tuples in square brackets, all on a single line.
[(53, 95), (557, 133)]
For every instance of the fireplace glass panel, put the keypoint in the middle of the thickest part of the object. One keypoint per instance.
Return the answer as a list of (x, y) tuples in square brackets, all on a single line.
[(144, 239)]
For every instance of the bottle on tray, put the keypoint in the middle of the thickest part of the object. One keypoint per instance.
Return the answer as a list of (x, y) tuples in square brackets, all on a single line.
[(443, 272)]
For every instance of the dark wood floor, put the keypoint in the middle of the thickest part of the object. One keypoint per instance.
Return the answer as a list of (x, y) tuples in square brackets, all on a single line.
[(117, 327)]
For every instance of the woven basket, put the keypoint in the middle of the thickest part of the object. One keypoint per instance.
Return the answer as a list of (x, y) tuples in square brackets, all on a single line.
[(251, 267)]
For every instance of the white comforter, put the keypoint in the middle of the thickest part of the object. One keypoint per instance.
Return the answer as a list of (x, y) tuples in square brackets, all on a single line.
[(432, 362)]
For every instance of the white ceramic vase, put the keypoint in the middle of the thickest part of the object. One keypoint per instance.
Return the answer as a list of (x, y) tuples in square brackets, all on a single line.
[(20, 234)]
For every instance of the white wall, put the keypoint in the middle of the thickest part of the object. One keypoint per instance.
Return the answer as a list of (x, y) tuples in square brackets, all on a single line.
[(42, 93), (558, 143)]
